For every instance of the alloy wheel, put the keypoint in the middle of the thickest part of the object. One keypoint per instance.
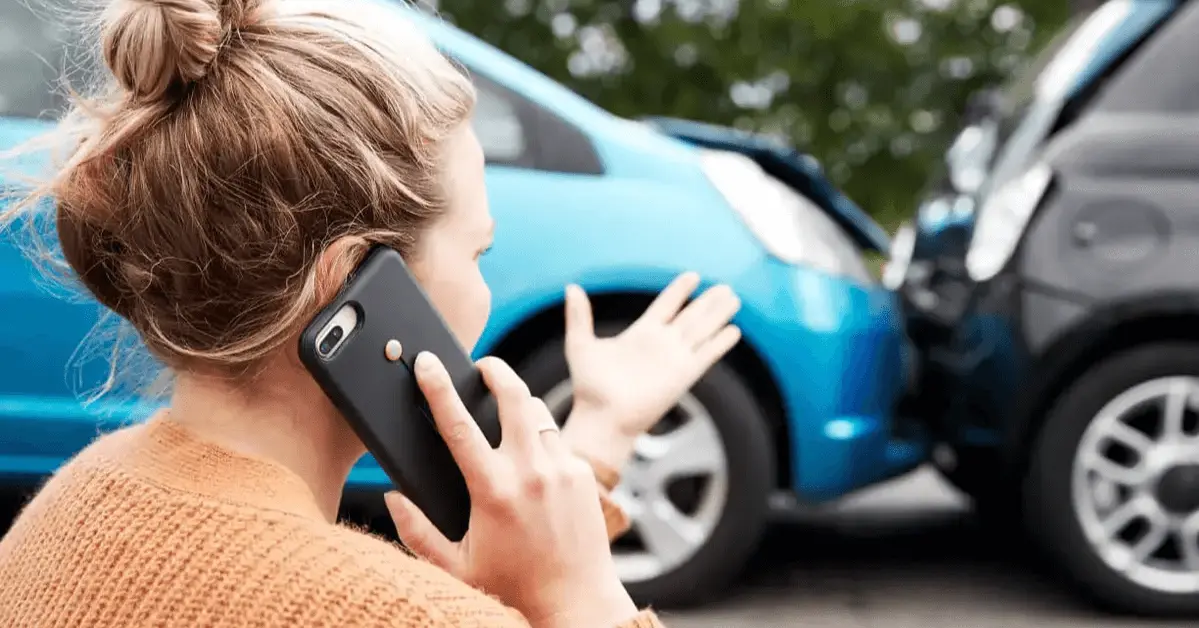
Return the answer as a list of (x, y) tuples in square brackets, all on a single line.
[(674, 489), (1135, 484)]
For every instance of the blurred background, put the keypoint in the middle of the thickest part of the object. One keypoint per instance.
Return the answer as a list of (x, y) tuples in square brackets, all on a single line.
[(876, 91)]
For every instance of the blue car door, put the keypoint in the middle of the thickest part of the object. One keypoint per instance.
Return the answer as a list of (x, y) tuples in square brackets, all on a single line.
[(44, 370), (523, 194)]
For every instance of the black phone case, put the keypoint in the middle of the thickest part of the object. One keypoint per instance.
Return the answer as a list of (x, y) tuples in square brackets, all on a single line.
[(380, 398)]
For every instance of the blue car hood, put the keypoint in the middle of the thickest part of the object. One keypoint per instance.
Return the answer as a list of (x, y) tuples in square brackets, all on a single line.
[(799, 170)]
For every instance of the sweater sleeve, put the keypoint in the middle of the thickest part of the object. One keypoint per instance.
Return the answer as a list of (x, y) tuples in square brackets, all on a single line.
[(441, 617), (432, 598), (388, 587)]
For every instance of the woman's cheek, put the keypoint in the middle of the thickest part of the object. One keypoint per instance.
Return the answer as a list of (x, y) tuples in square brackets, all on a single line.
[(479, 313), (461, 296)]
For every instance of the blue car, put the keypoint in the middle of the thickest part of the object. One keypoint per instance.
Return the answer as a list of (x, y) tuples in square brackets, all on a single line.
[(801, 411)]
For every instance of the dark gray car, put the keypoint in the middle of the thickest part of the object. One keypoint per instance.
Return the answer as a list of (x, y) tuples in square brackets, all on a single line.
[(1052, 285)]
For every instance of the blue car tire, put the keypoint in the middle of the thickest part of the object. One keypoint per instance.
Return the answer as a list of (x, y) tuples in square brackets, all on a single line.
[(701, 574)]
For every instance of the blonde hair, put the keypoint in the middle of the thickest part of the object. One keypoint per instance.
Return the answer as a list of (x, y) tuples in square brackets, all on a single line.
[(234, 141)]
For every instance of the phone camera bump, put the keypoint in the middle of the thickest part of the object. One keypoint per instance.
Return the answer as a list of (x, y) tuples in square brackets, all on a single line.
[(330, 341)]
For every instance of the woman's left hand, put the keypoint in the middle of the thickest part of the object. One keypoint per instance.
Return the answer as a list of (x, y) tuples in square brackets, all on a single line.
[(625, 383)]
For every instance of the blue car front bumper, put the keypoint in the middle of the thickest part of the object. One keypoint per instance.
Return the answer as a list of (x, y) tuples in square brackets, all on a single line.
[(842, 361)]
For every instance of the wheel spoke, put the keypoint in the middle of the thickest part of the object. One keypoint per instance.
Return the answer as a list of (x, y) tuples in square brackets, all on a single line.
[(1175, 409), (1130, 437), (1127, 476), (667, 533), (1125, 514), (1188, 537), (692, 449), (1151, 541), (622, 497)]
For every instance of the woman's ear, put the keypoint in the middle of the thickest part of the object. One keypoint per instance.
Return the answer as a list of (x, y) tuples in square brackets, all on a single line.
[(336, 263)]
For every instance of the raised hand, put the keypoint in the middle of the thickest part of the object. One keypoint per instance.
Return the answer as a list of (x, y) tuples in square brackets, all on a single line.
[(624, 384)]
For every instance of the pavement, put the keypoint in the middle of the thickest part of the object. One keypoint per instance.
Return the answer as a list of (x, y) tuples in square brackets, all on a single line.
[(907, 554)]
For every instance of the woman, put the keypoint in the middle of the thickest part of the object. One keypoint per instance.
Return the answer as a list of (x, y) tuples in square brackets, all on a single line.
[(216, 196)]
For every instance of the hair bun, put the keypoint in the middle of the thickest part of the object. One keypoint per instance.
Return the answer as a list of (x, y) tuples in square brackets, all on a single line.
[(155, 46)]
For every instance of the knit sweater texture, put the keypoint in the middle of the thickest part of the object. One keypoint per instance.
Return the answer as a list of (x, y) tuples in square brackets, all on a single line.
[(152, 526)]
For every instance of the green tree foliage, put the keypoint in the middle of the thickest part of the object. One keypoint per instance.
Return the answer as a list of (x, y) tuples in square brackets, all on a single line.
[(1084, 6), (873, 88)]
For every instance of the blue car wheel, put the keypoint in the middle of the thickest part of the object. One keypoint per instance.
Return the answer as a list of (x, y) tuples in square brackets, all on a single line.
[(697, 489)]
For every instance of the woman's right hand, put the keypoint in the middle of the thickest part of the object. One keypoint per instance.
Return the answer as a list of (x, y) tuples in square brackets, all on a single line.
[(536, 538)]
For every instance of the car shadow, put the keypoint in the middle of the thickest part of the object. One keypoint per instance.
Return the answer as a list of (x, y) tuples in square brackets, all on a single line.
[(903, 565)]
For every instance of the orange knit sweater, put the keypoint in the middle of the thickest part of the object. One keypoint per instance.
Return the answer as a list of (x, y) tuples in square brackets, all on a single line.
[(150, 526)]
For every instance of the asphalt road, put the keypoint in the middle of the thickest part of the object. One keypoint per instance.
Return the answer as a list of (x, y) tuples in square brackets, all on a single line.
[(903, 555), (907, 554)]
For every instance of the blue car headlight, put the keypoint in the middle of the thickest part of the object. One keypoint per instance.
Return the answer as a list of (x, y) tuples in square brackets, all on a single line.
[(789, 225)]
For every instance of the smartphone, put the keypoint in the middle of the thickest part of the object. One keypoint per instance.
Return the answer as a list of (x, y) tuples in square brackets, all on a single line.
[(346, 349)]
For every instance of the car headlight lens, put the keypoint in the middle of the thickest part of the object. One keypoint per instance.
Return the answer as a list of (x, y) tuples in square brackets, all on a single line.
[(1002, 220), (903, 246), (789, 225), (970, 154)]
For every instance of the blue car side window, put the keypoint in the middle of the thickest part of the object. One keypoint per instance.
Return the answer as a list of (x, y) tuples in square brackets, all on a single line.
[(498, 126), (519, 132)]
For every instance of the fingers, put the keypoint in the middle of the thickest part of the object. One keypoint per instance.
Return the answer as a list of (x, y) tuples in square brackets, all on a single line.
[(548, 431), (671, 299), (522, 416), (462, 435), (418, 533), (714, 349), (580, 325), (530, 432), (707, 315)]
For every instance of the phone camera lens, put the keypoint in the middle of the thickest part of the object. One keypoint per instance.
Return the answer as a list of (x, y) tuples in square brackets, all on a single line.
[(330, 340)]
